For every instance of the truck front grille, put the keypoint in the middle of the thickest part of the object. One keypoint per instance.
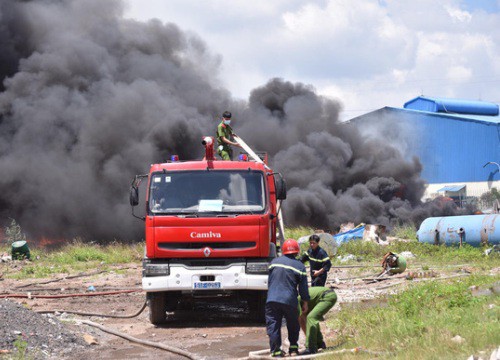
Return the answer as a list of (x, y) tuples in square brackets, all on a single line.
[(207, 262), (202, 245)]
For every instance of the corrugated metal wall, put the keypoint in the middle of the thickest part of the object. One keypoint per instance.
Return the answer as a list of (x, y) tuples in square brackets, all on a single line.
[(456, 150), (451, 149)]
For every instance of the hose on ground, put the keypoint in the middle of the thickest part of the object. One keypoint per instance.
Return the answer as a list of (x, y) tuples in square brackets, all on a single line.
[(420, 280), (69, 277), (92, 314), (171, 349), (31, 296), (265, 354)]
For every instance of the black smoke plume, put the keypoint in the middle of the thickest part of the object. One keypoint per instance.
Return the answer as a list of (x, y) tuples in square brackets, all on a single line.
[(89, 99), (334, 173)]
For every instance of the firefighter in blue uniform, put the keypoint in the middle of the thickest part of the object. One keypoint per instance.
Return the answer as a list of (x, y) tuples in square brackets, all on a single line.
[(319, 261), (286, 275)]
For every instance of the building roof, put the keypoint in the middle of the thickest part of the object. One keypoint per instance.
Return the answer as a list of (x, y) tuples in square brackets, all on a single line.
[(464, 117), (453, 188), (452, 106)]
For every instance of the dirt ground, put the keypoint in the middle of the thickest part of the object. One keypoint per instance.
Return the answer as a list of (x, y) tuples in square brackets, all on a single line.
[(221, 330)]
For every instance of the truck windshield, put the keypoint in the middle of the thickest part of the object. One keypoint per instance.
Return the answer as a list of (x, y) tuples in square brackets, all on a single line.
[(187, 192)]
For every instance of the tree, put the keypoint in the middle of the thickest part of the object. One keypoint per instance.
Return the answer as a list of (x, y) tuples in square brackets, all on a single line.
[(14, 233), (488, 199)]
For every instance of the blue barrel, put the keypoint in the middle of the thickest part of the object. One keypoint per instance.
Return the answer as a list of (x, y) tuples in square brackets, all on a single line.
[(475, 230)]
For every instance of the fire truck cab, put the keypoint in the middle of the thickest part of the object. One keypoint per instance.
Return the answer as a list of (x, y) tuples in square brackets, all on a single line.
[(210, 230)]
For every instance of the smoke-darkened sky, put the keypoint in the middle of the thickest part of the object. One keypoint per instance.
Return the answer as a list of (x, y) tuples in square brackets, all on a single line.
[(89, 99)]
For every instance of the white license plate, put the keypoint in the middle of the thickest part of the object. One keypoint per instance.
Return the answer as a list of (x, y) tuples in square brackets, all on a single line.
[(206, 285)]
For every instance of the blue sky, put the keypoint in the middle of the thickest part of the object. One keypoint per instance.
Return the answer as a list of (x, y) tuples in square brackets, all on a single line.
[(491, 6), (366, 53)]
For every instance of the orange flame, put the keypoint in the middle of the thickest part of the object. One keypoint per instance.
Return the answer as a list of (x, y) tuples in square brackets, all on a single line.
[(44, 242)]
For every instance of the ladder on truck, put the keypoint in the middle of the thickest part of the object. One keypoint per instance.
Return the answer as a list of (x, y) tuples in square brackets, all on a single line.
[(257, 158)]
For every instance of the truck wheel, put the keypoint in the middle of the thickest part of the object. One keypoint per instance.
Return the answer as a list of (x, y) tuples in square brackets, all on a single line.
[(257, 305), (186, 304), (172, 301), (157, 308), (261, 308)]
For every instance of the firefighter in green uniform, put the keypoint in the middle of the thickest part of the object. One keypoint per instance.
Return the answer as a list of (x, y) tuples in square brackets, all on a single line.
[(224, 137), (393, 263), (321, 301)]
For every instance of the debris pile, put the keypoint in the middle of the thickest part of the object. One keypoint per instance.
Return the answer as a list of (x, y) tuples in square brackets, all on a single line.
[(42, 336), (375, 233), (4, 257)]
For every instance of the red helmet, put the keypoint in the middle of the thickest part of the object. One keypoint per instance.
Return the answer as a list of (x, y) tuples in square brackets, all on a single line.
[(290, 246)]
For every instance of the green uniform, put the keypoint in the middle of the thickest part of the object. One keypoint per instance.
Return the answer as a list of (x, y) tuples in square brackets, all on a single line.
[(224, 150), (400, 265), (322, 300)]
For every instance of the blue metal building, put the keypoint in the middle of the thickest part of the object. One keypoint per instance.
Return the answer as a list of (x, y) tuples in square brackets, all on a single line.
[(454, 139)]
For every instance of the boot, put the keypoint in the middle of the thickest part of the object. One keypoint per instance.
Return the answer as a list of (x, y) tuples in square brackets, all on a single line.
[(278, 354), (293, 351), (308, 352)]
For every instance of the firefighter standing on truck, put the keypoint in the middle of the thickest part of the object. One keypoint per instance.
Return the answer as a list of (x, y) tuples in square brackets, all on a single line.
[(286, 274), (321, 301), (319, 261), (224, 137)]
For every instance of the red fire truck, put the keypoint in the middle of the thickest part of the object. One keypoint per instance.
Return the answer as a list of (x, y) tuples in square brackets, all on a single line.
[(210, 230)]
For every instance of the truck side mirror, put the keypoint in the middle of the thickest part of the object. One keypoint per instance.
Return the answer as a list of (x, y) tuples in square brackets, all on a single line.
[(280, 188), (134, 195)]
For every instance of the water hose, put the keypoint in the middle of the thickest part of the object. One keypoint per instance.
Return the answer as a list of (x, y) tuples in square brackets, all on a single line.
[(31, 296), (265, 354), (171, 349), (71, 277), (92, 314), (122, 335)]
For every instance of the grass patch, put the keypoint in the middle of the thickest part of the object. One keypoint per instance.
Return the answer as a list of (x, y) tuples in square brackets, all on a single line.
[(431, 254), (109, 254), (76, 257), (419, 323), (404, 232), (21, 350), (298, 232)]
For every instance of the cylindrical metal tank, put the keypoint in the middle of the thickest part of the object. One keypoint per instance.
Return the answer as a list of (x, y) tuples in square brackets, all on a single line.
[(474, 230)]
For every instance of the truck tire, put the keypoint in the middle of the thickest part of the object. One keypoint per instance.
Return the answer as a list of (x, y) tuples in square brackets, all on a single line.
[(257, 306), (157, 308), (186, 304)]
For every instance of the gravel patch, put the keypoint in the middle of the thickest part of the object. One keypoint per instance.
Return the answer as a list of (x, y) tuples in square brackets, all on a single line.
[(44, 336)]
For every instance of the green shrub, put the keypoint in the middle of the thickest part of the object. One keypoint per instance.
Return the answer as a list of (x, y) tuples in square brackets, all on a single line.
[(14, 233)]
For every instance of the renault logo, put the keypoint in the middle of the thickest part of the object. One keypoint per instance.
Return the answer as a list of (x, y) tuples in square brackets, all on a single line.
[(206, 251)]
